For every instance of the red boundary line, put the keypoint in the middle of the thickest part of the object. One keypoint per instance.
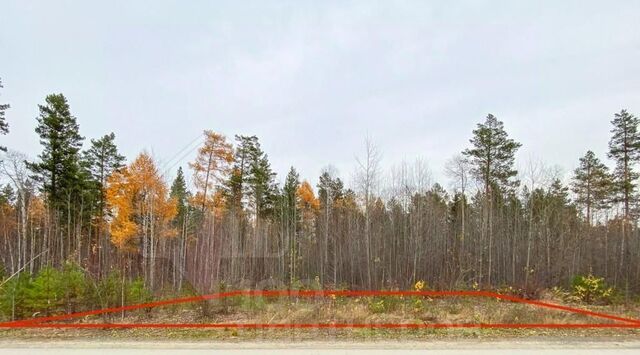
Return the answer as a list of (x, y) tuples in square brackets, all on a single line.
[(38, 322), (321, 325)]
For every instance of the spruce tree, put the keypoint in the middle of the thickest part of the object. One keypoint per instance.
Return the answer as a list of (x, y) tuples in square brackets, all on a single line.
[(624, 149), (591, 184), (7, 195), (4, 126), (263, 186), (182, 222), (180, 194), (288, 201), (291, 220)]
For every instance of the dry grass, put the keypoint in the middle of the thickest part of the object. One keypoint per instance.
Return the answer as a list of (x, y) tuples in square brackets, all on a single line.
[(351, 311)]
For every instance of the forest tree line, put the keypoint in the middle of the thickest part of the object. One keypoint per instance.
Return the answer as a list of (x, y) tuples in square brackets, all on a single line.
[(233, 226)]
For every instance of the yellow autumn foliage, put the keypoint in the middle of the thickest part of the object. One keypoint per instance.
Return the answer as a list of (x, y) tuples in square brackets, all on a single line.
[(136, 192), (211, 166)]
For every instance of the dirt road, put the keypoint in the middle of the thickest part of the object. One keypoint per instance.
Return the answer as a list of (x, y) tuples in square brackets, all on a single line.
[(551, 346)]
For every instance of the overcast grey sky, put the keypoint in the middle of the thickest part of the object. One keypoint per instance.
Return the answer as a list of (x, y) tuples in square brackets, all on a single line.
[(312, 78)]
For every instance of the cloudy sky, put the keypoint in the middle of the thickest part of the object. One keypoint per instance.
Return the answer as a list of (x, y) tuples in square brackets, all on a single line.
[(313, 78)]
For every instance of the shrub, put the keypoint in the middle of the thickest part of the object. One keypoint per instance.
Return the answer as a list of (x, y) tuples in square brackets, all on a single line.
[(12, 297), (377, 306), (138, 293), (73, 286), (384, 304), (44, 293), (252, 304), (591, 289), (107, 292), (68, 290), (53, 291)]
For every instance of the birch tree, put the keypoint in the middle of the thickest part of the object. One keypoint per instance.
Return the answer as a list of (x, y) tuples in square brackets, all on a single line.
[(367, 179)]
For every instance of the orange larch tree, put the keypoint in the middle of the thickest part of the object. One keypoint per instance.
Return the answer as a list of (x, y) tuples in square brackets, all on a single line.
[(142, 211), (308, 204), (211, 167)]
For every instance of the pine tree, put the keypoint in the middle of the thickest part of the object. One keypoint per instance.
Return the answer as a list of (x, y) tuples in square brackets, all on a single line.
[(591, 184), (62, 177), (45, 292), (100, 161), (59, 166), (103, 158), (492, 159), (4, 126), (329, 189), (329, 193), (492, 155), (558, 193), (236, 188), (624, 149), (252, 182)]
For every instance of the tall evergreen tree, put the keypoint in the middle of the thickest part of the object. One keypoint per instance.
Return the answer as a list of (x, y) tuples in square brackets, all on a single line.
[(262, 185), (558, 194), (64, 180), (180, 193), (624, 149), (101, 160), (59, 168), (252, 182), (7, 195), (182, 224), (236, 187), (591, 184), (291, 220), (289, 198), (492, 155), (98, 163), (4, 126), (329, 189), (492, 159)]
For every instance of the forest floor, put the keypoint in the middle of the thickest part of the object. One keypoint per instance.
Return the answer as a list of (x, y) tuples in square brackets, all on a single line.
[(339, 310)]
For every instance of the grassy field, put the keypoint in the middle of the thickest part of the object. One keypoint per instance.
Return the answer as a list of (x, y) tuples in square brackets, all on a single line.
[(350, 310)]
